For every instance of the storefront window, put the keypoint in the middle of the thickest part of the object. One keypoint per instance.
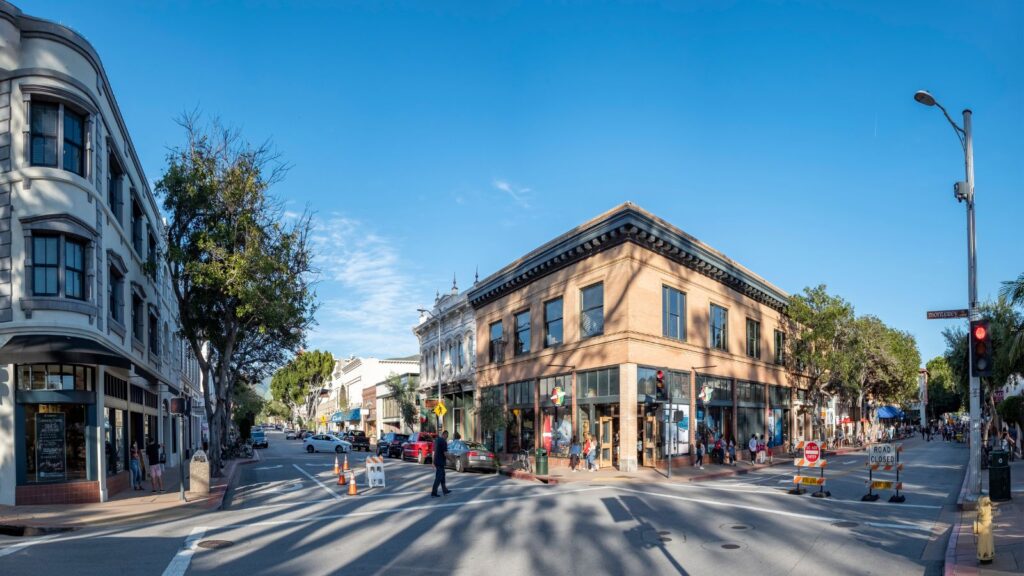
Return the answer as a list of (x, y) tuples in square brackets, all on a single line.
[(116, 435), (55, 449), (54, 377), (677, 384), (521, 416), (556, 416), (598, 383)]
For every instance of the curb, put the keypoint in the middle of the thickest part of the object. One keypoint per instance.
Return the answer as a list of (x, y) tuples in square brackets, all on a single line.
[(520, 475)]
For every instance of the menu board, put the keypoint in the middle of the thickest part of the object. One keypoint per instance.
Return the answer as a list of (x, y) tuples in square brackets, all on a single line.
[(51, 455)]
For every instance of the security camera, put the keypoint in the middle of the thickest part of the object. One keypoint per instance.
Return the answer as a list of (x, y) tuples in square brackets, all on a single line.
[(961, 191)]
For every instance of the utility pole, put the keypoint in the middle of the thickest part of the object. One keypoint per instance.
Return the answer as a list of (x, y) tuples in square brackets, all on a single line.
[(965, 192)]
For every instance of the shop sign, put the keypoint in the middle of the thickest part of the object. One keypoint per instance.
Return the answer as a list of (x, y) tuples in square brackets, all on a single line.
[(51, 455), (558, 396)]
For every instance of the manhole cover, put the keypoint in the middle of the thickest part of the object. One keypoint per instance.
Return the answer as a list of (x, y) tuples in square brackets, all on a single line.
[(731, 546), (215, 544), (845, 524), (664, 539), (732, 526)]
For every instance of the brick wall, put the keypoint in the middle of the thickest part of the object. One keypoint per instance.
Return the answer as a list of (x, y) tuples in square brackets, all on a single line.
[(67, 493), (118, 483)]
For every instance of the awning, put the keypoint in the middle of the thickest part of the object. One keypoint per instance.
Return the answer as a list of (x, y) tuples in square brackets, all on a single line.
[(40, 348), (338, 417), (345, 416), (889, 412), (353, 415)]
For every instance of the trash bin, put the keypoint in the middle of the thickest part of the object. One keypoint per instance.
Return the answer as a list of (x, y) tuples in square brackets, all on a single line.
[(541, 459), (999, 475)]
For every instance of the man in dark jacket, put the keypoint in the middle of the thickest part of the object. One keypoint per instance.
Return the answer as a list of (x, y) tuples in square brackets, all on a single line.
[(440, 449)]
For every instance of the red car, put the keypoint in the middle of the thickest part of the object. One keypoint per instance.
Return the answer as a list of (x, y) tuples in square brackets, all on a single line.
[(420, 447)]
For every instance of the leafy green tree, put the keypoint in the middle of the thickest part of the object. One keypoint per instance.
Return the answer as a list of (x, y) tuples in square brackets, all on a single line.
[(240, 274), (1013, 292), (491, 414), (1004, 323), (405, 394), (306, 372), (818, 331), (943, 395), (1011, 410), (246, 405)]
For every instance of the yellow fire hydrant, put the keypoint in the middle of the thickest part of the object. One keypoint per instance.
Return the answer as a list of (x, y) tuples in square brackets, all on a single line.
[(983, 530)]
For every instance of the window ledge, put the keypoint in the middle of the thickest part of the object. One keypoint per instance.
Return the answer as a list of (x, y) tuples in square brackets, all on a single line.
[(28, 305), (116, 327)]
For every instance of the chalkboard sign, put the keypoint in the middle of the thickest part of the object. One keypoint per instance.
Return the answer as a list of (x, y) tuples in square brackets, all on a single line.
[(51, 456)]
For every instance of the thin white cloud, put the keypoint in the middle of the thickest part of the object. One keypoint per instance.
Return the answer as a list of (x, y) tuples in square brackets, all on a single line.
[(368, 303), (519, 195)]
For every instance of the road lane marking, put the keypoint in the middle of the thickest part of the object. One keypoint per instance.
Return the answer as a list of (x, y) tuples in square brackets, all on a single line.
[(848, 462), (179, 564), (769, 511), (333, 494), (269, 467), (21, 546), (309, 519)]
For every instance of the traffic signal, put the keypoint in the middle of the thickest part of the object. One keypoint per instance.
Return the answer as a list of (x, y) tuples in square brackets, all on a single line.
[(981, 349), (660, 376)]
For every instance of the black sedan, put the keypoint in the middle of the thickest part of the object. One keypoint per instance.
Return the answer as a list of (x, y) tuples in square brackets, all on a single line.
[(391, 445), (464, 455)]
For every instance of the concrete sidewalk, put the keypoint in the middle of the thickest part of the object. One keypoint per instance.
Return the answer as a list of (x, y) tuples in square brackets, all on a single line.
[(681, 474), (1007, 530), (128, 506)]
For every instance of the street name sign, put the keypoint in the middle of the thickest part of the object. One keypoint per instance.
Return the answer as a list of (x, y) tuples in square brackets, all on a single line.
[(811, 452), (884, 454), (947, 314)]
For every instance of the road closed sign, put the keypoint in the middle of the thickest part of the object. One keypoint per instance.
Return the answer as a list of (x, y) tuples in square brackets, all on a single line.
[(884, 454), (811, 452)]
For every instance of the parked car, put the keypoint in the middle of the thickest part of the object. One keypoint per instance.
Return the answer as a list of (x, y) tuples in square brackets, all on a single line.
[(326, 443), (303, 434), (419, 447), (259, 439), (464, 455), (359, 440), (391, 444), (291, 435)]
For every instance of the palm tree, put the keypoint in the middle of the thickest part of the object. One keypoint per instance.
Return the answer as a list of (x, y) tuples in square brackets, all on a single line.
[(1013, 291)]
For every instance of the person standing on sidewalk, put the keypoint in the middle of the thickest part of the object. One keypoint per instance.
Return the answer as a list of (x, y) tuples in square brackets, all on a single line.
[(440, 450), (574, 454), (700, 453), (752, 445), (156, 471), (732, 452), (136, 467)]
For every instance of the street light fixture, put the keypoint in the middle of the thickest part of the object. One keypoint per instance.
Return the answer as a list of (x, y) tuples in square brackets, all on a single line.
[(438, 318), (965, 191)]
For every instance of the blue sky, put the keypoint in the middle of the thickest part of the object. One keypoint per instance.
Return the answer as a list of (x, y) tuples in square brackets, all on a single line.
[(433, 138)]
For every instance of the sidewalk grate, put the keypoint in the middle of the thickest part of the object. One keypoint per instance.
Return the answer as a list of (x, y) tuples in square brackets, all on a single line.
[(18, 531)]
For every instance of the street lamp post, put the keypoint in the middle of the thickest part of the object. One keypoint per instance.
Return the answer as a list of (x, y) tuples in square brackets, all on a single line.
[(438, 318), (964, 135)]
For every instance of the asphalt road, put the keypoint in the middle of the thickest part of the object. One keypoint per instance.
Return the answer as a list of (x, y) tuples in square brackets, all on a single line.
[(289, 516)]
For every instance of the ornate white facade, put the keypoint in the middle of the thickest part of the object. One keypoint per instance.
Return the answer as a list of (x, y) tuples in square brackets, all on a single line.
[(454, 363)]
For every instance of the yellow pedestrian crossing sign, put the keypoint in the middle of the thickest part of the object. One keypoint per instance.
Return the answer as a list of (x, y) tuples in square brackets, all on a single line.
[(440, 410)]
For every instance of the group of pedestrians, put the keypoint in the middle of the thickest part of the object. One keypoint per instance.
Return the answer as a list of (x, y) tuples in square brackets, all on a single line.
[(586, 452), (154, 465)]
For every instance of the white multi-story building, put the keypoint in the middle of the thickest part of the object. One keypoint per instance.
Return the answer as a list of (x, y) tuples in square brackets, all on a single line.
[(88, 356), (351, 377), (453, 363)]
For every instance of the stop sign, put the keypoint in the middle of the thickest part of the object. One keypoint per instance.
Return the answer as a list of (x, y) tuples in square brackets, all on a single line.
[(811, 452)]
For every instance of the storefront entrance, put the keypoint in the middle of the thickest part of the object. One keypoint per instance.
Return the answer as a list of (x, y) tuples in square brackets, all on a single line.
[(649, 434), (606, 438)]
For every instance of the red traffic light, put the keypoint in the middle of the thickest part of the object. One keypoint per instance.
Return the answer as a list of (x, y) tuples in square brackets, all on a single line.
[(980, 332), (660, 375)]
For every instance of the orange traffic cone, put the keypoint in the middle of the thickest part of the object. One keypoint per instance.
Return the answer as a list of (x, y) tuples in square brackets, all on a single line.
[(341, 479), (345, 467), (336, 470), (352, 490)]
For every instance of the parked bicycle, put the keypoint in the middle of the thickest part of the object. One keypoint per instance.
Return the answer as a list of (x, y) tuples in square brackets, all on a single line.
[(521, 461)]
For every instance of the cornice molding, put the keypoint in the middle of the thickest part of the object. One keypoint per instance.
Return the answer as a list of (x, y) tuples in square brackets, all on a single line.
[(626, 223)]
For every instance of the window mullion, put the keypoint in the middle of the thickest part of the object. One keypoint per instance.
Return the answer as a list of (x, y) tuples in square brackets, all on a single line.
[(60, 136)]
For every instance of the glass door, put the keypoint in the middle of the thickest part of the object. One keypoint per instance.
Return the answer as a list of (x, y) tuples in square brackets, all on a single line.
[(649, 440), (605, 435)]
